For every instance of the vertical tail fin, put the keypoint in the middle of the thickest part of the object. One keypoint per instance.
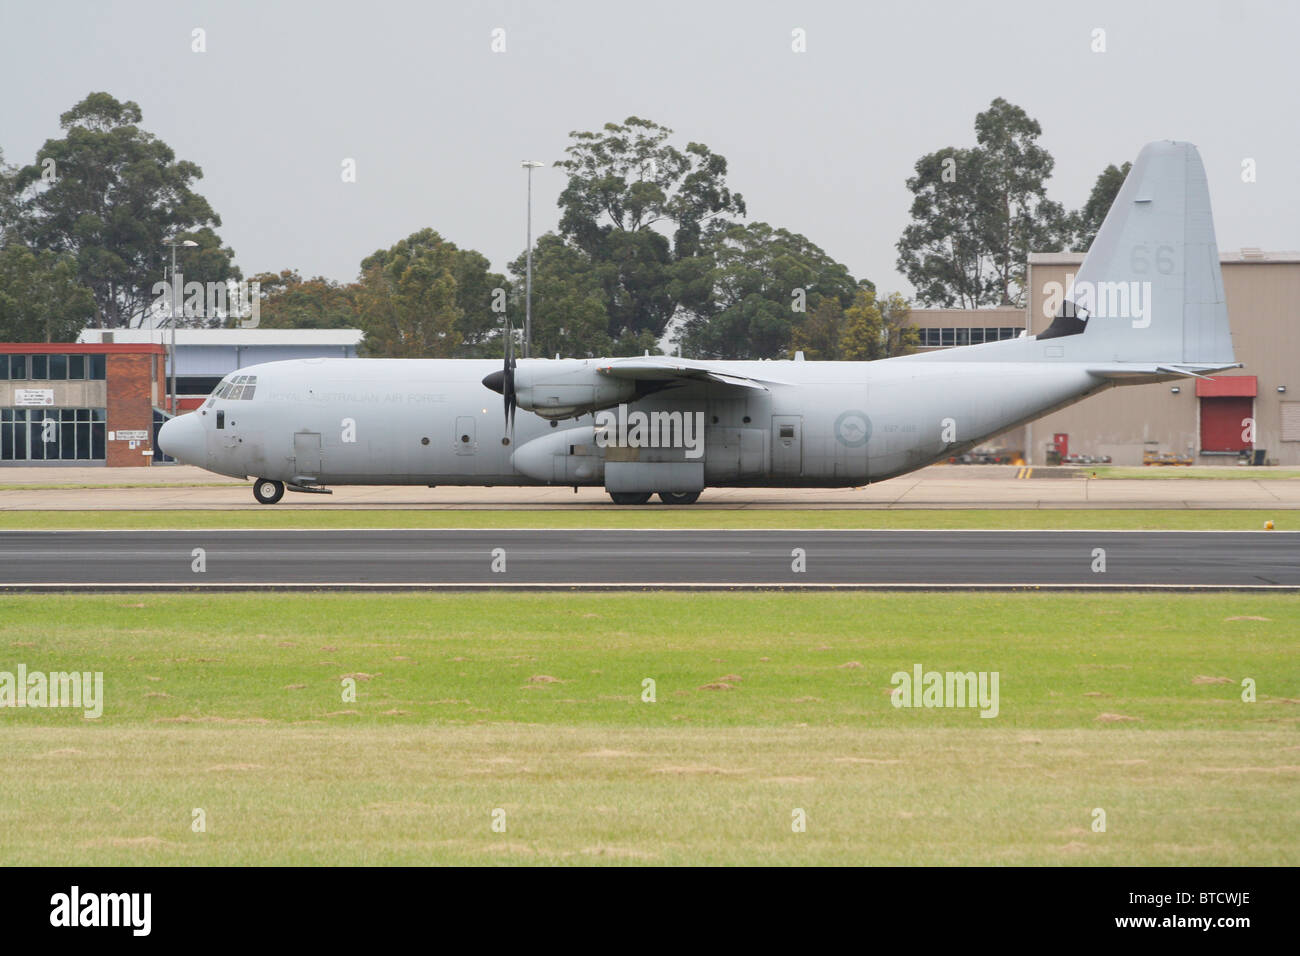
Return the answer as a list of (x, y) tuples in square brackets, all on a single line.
[(1149, 289)]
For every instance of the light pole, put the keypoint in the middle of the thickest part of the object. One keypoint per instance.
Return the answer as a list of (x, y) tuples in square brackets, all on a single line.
[(176, 294), (529, 165)]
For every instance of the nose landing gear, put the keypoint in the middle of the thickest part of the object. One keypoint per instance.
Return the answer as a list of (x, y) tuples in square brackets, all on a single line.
[(267, 491)]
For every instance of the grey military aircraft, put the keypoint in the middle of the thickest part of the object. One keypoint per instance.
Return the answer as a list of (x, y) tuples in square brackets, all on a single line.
[(1147, 305)]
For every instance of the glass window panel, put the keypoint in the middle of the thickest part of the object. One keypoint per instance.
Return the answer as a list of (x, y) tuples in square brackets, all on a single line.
[(976, 336), (39, 366), (97, 440), (948, 336), (963, 336), (97, 369), (76, 366), (35, 447), (83, 439), (67, 441), (58, 367), (248, 391), (4, 367), (18, 366)]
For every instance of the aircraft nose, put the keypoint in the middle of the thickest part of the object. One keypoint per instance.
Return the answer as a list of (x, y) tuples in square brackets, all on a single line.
[(182, 437)]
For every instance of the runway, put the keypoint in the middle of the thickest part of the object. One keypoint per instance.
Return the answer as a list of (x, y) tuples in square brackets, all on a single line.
[(473, 559)]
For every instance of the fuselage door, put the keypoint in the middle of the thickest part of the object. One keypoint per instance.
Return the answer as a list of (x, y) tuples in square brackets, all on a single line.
[(465, 440), (306, 451), (787, 446)]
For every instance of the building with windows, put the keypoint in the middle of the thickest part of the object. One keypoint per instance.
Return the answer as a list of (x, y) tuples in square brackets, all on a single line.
[(205, 356), (943, 328), (1247, 413), (80, 404)]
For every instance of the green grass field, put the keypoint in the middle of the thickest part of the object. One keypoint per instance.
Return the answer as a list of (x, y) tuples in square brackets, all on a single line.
[(765, 704), (1168, 519)]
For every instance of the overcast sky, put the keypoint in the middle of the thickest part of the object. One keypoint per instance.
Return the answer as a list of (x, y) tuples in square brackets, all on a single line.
[(819, 142)]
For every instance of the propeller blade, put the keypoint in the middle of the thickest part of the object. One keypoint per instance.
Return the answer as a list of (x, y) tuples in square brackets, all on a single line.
[(504, 381), (508, 381)]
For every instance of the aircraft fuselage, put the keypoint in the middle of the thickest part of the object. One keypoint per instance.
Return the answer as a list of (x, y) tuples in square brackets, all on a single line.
[(433, 422)]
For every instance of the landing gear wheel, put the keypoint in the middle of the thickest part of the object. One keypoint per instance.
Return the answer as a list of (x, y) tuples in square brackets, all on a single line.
[(679, 498), (630, 497), (268, 492)]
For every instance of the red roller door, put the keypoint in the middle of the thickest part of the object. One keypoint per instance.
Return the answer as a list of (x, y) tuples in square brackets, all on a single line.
[(1221, 423)]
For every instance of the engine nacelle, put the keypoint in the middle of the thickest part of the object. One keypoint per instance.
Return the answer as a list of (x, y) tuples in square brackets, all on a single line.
[(568, 457), (568, 388)]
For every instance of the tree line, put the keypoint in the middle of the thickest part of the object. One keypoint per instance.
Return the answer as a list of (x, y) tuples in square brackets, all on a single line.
[(650, 248)]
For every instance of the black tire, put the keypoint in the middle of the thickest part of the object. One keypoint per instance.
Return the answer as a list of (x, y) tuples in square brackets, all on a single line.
[(630, 497), (679, 498), (268, 491)]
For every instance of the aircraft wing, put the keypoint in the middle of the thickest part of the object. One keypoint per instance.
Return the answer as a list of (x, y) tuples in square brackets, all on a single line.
[(682, 370)]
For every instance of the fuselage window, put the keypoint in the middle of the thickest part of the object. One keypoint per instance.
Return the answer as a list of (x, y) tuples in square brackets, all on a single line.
[(221, 419), (236, 388)]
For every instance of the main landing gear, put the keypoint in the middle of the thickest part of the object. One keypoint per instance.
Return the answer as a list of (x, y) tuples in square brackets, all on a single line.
[(667, 497), (268, 492), (679, 498)]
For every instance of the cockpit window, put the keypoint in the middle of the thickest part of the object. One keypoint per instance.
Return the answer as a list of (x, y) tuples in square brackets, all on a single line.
[(237, 388)]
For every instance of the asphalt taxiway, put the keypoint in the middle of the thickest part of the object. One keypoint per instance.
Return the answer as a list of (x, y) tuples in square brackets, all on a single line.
[(254, 559), (941, 487)]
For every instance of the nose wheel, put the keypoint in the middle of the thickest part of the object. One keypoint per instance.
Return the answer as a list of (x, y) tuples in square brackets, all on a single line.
[(268, 492)]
